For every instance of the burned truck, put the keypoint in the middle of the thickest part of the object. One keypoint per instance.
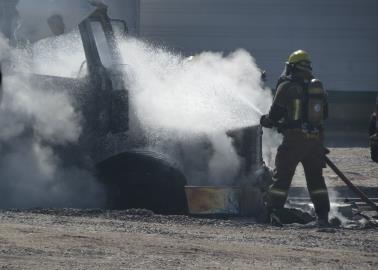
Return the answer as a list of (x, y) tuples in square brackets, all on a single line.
[(112, 143)]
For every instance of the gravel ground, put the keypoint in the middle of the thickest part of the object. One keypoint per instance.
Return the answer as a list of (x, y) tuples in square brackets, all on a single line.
[(355, 163), (138, 239)]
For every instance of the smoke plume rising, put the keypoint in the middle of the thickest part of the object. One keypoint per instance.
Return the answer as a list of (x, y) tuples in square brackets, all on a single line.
[(204, 95), (209, 92), (32, 123), (191, 101)]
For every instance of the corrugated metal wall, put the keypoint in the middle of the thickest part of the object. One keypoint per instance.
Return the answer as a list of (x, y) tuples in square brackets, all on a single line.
[(341, 35)]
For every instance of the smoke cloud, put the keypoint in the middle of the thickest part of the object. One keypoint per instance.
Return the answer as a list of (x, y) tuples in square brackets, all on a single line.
[(184, 106), (33, 122), (59, 56), (271, 141), (209, 92), (200, 96)]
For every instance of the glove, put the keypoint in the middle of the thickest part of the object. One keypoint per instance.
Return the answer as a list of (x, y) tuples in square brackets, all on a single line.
[(266, 122)]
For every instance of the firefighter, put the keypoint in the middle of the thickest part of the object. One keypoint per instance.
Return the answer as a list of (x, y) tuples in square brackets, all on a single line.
[(298, 110)]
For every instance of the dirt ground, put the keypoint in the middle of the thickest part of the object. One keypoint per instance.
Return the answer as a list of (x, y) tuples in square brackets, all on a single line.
[(355, 163), (138, 239)]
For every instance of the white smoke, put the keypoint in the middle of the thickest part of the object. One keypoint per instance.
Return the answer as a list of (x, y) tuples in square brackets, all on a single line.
[(32, 123), (50, 114), (271, 141), (224, 164), (173, 97), (335, 206), (207, 94), (59, 56)]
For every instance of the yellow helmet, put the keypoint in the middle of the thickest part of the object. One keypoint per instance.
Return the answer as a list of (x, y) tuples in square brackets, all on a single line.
[(301, 60), (299, 56)]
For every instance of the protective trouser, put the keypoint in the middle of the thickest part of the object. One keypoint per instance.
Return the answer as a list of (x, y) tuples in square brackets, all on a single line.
[(298, 147)]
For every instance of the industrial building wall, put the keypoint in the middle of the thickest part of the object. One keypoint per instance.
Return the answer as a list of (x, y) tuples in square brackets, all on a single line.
[(341, 35)]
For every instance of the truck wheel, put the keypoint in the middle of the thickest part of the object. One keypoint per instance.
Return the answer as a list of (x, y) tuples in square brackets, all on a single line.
[(143, 179)]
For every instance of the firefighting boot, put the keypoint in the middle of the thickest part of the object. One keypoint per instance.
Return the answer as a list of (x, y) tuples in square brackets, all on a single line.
[(322, 220)]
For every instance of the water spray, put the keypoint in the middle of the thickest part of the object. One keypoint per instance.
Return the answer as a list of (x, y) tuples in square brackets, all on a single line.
[(255, 109)]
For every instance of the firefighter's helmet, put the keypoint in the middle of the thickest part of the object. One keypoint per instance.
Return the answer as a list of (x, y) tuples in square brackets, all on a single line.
[(301, 60)]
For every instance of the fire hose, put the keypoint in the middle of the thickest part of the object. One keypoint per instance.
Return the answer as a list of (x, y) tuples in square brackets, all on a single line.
[(355, 189)]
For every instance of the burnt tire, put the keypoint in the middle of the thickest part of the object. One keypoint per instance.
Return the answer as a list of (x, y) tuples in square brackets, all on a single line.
[(143, 179)]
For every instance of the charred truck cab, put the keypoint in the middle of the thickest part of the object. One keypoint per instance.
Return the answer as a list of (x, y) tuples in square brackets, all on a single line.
[(112, 143), (135, 174)]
